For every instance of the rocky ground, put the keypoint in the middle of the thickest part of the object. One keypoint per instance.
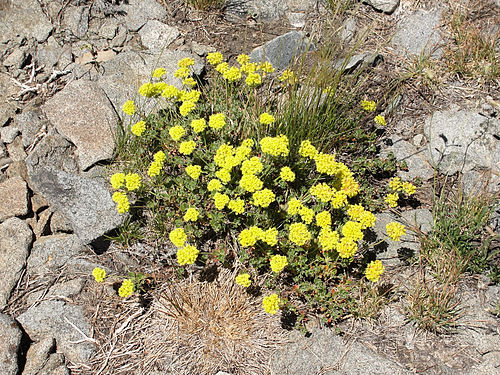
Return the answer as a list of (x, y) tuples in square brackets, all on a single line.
[(66, 67)]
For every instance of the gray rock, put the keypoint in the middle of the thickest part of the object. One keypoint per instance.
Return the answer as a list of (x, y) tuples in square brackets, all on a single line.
[(282, 50), (10, 341), (38, 355), (223, 373), (84, 201), (60, 223), (462, 140), (15, 241), (30, 124), (120, 37), (16, 59), (387, 6), (51, 54), (49, 253), (26, 18), (38, 203), (156, 35), (418, 33), (362, 60), (76, 19), (42, 224), (13, 198), (109, 28), (348, 29), (53, 151), (9, 133), (138, 12), (16, 150), (297, 19), (326, 353), (17, 169), (260, 10), (61, 291), (7, 89), (79, 112), (58, 319), (125, 71)]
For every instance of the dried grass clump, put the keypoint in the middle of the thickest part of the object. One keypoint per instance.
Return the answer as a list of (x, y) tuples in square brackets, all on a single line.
[(205, 327)]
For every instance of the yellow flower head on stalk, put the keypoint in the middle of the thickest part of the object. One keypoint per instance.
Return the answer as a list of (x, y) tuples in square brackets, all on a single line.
[(350, 186), (249, 68), (187, 255), (215, 58), (322, 191), (147, 90), (253, 79), (224, 175), (186, 107), (409, 188), (122, 203), (355, 211), (367, 219), (307, 150), (183, 72), (287, 174), (380, 120), (395, 230), (243, 279), (138, 128), (155, 168), (192, 96), (243, 59), (278, 262), (126, 289), (241, 154), (178, 237), (368, 105), (392, 199), (99, 274), (190, 82), (251, 166), (170, 91), (323, 219), (306, 214), (275, 146), (396, 184), (339, 199), (198, 125), (263, 198), (117, 180), (249, 237), (220, 200), (132, 181), (193, 171), (299, 234), (159, 156), (347, 248), (271, 304), (250, 183), (217, 121), (289, 76), (159, 72), (328, 239), (270, 236), (237, 206), (187, 147), (248, 143), (352, 230), (374, 270), (176, 132), (214, 185), (325, 163), (266, 67), (232, 74), (191, 214), (185, 62), (222, 67), (294, 206), (128, 107), (266, 119)]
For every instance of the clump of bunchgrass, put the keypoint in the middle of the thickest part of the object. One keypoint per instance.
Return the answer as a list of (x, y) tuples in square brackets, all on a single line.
[(206, 4)]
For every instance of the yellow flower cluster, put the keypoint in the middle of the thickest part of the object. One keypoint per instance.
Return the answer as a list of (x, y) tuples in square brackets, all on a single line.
[(249, 68), (193, 171), (392, 199), (352, 230), (275, 146), (182, 72), (132, 181), (178, 237), (232, 74), (224, 156), (380, 120), (222, 67), (299, 234), (191, 214), (278, 262), (253, 79), (328, 238), (187, 255), (368, 105), (243, 59), (251, 166), (358, 213), (395, 230), (186, 148), (176, 132), (307, 150), (126, 289), (250, 183), (263, 198), (347, 247), (350, 186), (306, 214), (271, 304), (99, 274), (129, 107), (217, 121), (157, 165), (159, 72), (138, 128), (266, 67), (170, 92), (117, 180), (325, 163), (374, 270), (215, 58), (266, 119), (122, 203), (243, 279), (150, 90), (214, 185), (289, 76), (186, 107), (323, 219), (249, 237), (224, 175), (199, 125), (220, 200), (287, 174), (294, 206), (322, 191), (339, 199), (185, 62), (237, 206)]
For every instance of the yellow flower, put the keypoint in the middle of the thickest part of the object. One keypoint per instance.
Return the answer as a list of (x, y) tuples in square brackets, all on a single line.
[(117, 180), (367, 219), (132, 181), (275, 146), (350, 186), (249, 68), (395, 230), (251, 166), (278, 262), (159, 156), (138, 128), (176, 132), (99, 274), (322, 191), (352, 230), (147, 90), (368, 105), (159, 72), (328, 238), (270, 236), (236, 205), (186, 148), (182, 72), (294, 206), (189, 82), (289, 76), (380, 120), (299, 234), (186, 107), (178, 237), (185, 62), (253, 79), (266, 67), (187, 255), (199, 125), (325, 163), (214, 185), (220, 200), (126, 289), (214, 58), (271, 304), (306, 214), (232, 74), (193, 171), (243, 279), (347, 247), (223, 155), (122, 203), (307, 150), (250, 183), (374, 270), (222, 67), (129, 107), (339, 199), (323, 219), (287, 174), (191, 214), (263, 198), (217, 120), (396, 184), (248, 143), (266, 119), (155, 168), (409, 188), (392, 199), (249, 237), (170, 91), (243, 59), (224, 175)]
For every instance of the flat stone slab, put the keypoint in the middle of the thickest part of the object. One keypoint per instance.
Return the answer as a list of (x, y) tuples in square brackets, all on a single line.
[(387, 6), (10, 341), (26, 18), (82, 113), (13, 198), (157, 35)]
